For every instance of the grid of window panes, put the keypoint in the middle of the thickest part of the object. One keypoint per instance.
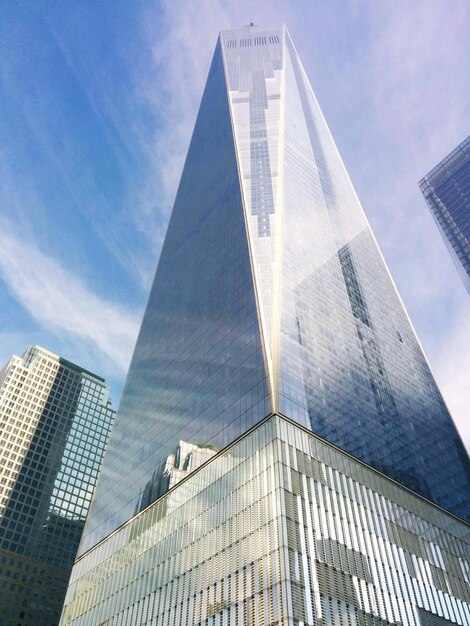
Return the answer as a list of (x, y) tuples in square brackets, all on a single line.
[(198, 371), (280, 529), (54, 425), (25, 392), (76, 477), (447, 192)]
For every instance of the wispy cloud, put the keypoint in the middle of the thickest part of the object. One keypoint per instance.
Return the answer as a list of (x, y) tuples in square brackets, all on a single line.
[(171, 86), (60, 301), (392, 80)]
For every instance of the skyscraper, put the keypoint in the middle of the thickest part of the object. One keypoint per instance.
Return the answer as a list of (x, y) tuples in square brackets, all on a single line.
[(447, 191), (274, 337), (54, 426)]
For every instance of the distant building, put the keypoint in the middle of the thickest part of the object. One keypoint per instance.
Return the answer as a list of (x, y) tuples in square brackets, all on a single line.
[(55, 420), (447, 191)]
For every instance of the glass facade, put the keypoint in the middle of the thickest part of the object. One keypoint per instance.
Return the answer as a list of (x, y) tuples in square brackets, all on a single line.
[(54, 426), (345, 361), (198, 371), (271, 296), (447, 191), (281, 529)]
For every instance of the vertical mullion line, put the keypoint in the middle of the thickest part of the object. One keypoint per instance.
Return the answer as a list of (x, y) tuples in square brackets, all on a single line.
[(259, 305)]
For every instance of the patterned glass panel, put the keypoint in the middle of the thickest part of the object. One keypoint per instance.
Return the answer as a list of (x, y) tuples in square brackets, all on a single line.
[(280, 529)]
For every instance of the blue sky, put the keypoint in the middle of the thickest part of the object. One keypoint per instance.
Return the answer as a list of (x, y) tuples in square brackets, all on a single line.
[(97, 103)]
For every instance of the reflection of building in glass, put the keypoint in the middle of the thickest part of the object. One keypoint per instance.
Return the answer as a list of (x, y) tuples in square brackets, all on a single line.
[(54, 426), (273, 323), (185, 459), (447, 191)]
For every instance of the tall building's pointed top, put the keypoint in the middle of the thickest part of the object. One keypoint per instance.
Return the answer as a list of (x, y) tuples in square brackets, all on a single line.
[(272, 296)]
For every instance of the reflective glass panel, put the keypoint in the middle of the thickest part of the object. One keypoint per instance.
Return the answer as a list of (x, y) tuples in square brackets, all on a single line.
[(198, 370)]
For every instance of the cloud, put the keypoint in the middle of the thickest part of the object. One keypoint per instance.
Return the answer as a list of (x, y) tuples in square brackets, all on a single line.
[(171, 86), (60, 301)]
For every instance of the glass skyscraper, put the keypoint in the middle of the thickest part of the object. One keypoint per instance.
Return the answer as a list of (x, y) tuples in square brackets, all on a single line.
[(447, 191), (278, 390), (55, 420)]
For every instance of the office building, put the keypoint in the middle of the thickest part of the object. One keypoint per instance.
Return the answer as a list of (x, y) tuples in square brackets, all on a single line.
[(447, 191), (274, 337), (55, 420)]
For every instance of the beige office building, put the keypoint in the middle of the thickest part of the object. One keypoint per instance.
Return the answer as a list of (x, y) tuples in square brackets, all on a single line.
[(55, 419)]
